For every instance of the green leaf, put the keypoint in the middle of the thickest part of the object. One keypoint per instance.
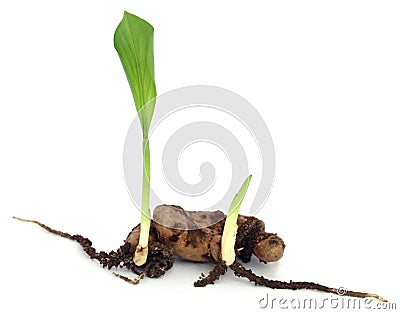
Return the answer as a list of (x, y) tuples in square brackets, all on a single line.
[(133, 40), (238, 199)]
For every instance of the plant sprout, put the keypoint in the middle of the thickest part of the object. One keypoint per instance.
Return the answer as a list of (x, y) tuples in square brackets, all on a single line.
[(230, 229), (133, 41)]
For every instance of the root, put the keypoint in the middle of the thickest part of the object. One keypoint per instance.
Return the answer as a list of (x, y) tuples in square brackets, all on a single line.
[(121, 258), (134, 281), (129, 280), (160, 259), (53, 231), (218, 270), (241, 271)]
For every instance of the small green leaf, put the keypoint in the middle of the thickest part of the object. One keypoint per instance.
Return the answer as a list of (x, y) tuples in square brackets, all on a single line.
[(133, 40), (238, 199)]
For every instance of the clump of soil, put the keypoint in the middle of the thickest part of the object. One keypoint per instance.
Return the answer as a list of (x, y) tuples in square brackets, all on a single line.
[(219, 270)]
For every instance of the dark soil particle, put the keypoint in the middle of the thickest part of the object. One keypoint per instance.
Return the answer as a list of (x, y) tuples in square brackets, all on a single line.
[(195, 236), (174, 238), (246, 238), (160, 259), (218, 270)]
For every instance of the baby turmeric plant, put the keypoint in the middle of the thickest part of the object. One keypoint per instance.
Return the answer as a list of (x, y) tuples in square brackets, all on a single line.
[(133, 41), (197, 236)]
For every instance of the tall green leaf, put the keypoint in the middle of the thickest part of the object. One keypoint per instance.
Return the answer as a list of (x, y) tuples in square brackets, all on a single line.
[(133, 40)]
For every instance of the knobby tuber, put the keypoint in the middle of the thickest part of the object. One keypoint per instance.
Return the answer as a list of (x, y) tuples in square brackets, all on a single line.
[(196, 236)]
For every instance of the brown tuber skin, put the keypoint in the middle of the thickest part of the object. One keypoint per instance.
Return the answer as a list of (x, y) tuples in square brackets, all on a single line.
[(196, 236)]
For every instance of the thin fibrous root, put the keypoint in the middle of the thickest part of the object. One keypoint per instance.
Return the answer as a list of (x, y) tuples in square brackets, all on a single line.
[(56, 232), (134, 281), (218, 270), (240, 271)]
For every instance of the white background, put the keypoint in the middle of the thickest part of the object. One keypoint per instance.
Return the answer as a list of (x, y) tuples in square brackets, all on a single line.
[(323, 74)]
